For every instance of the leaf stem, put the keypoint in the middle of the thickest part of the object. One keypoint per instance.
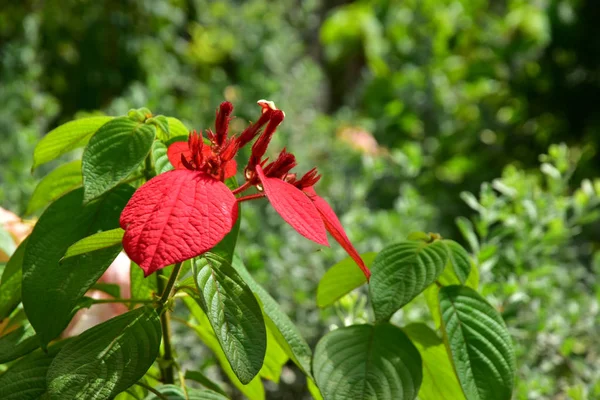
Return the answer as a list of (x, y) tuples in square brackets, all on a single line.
[(250, 197), (166, 366), (242, 188), (151, 389)]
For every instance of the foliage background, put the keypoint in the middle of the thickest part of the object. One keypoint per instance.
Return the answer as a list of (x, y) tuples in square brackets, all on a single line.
[(405, 107)]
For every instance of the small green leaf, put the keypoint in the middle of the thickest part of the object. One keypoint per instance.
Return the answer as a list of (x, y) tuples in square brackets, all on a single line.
[(199, 377), (480, 346), (287, 334), (98, 241), (162, 125), (439, 380), (62, 180), (106, 359), (341, 279), (52, 289), (10, 286), (177, 128), (459, 260), (234, 314), (161, 160), (26, 379), (113, 153), (367, 362), (254, 389), (65, 138), (401, 271), (18, 343), (466, 228)]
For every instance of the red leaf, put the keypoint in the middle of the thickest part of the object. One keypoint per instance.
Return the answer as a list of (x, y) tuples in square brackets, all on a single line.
[(175, 151), (335, 228), (176, 216), (230, 168), (294, 207)]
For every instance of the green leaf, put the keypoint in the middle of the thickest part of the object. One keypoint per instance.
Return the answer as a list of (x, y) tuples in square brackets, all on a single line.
[(459, 260), (466, 228), (10, 286), (7, 243), (199, 377), (18, 343), (113, 153), (254, 389), (98, 241), (161, 160), (65, 138), (111, 289), (26, 379), (401, 271), (367, 362), (341, 279), (141, 287), (177, 128), (51, 289), (62, 180), (439, 380), (480, 346), (234, 314), (106, 359), (173, 392), (275, 358), (287, 334)]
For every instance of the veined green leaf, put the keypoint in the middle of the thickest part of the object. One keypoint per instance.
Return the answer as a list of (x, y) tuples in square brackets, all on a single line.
[(367, 362), (480, 346), (97, 241), (459, 260), (17, 343), (161, 160), (275, 357), (439, 380), (62, 180), (341, 279), (287, 334), (26, 379), (199, 377), (401, 271), (177, 128), (65, 138), (106, 359), (234, 314), (254, 389), (113, 153), (51, 289), (10, 286)]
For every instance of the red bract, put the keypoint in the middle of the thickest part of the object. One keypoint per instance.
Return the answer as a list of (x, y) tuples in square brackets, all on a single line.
[(184, 213)]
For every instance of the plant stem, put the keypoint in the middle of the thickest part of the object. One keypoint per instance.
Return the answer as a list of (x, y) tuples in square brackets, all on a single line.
[(250, 197), (166, 368)]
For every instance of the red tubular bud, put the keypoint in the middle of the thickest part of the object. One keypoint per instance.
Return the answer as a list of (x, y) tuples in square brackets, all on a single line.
[(309, 179), (260, 146), (250, 132), (222, 122), (281, 166)]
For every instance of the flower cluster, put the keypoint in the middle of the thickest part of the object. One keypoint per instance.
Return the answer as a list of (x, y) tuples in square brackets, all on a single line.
[(185, 212)]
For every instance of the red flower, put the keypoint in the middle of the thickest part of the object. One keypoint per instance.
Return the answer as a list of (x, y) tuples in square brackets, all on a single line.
[(185, 212)]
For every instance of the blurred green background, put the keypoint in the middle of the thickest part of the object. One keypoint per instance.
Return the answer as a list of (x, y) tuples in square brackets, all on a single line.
[(476, 119)]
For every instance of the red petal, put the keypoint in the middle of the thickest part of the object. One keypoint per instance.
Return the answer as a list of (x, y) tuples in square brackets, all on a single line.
[(175, 151), (176, 216), (230, 169), (294, 207), (335, 228)]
